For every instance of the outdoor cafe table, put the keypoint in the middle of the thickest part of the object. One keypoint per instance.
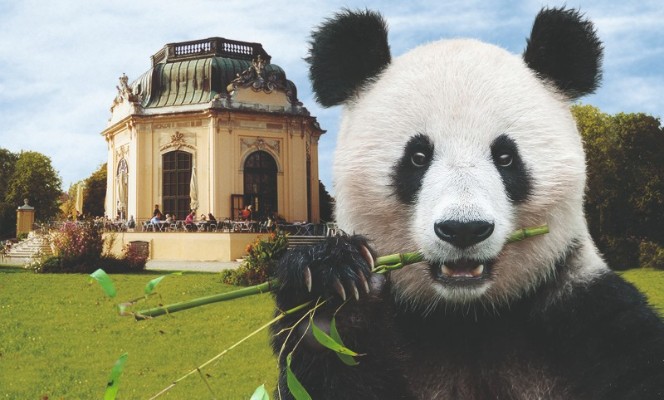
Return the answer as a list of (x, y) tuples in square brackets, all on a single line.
[(298, 228), (243, 226)]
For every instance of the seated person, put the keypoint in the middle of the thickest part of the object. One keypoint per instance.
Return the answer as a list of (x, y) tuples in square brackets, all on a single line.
[(202, 222), (246, 213), (211, 218), (170, 219), (131, 224), (189, 220), (156, 219)]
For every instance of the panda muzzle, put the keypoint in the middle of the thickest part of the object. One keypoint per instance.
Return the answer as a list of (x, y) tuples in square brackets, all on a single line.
[(462, 269)]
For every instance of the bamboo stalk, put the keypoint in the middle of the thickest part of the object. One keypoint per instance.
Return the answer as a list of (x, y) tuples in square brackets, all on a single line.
[(248, 291), (527, 232), (382, 265)]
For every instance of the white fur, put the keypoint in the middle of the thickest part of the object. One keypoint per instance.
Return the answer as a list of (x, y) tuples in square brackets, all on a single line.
[(462, 94)]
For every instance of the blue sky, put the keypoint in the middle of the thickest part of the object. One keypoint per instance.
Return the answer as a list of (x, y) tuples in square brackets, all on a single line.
[(60, 61)]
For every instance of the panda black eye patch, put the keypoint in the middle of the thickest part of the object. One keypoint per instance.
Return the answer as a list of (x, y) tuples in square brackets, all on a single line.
[(408, 172), (513, 171)]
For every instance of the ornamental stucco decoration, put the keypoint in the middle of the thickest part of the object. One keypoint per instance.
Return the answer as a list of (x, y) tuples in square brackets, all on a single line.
[(259, 143), (122, 152), (177, 142), (258, 79), (125, 92)]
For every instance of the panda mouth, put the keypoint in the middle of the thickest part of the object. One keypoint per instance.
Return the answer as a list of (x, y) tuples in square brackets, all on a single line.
[(462, 271)]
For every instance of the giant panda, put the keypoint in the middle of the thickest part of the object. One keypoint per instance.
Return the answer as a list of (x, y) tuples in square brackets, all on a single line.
[(446, 150)]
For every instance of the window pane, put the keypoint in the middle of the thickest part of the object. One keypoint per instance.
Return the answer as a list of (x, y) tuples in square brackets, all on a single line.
[(175, 181)]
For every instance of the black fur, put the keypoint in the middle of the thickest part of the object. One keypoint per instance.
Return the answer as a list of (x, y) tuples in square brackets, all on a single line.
[(564, 48), (407, 176), (599, 340), (515, 176), (323, 375), (607, 341), (345, 52)]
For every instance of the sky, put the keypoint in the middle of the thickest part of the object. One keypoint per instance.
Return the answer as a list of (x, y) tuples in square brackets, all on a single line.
[(60, 60)]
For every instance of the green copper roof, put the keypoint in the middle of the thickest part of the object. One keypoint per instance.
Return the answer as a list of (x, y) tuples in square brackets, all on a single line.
[(195, 72)]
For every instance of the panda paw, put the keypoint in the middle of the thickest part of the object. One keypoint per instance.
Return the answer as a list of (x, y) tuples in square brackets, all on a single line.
[(338, 268)]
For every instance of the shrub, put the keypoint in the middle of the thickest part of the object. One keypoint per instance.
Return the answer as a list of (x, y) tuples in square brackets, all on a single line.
[(620, 253), (651, 255), (77, 243), (134, 258), (259, 264), (22, 236), (78, 249)]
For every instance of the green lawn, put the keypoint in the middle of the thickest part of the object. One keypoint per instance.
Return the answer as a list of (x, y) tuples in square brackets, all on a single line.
[(60, 336), (650, 282)]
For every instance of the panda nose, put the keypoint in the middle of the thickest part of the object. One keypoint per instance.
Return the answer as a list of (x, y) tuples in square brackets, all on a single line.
[(463, 234)]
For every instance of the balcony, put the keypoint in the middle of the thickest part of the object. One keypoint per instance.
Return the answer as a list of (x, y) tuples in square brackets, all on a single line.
[(211, 47)]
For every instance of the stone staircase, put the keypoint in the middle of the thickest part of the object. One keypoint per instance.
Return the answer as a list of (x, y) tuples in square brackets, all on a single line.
[(295, 241), (26, 251)]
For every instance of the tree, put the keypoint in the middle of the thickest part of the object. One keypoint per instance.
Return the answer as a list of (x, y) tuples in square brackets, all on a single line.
[(35, 179), (95, 192), (599, 144), (68, 203), (7, 211), (641, 142), (326, 203), (625, 187)]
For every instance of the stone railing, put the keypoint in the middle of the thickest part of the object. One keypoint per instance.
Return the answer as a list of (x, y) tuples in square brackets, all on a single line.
[(212, 46)]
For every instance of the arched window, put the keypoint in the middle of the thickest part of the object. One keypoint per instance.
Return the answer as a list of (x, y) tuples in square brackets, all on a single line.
[(260, 183), (176, 178), (122, 182)]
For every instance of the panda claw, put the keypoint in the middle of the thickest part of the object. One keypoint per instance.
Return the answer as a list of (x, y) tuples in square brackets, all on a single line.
[(307, 278), (339, 288), (356, 293), (366, 254), (365, 284)]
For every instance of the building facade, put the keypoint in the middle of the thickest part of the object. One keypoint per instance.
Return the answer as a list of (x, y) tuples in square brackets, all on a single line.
[(212, 126)]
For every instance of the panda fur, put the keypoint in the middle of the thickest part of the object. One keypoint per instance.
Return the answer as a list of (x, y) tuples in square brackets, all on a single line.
[(447, 150)]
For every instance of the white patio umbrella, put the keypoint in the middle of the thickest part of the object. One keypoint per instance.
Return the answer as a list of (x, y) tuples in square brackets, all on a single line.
[(122, 194), (193, 190)]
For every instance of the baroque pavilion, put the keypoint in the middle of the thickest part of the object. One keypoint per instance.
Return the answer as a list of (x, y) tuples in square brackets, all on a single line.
[(212, 125)]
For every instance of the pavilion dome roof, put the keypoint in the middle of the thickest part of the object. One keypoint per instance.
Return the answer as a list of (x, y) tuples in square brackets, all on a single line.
[(196, 72)]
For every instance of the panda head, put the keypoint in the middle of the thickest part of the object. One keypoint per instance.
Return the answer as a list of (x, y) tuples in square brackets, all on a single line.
[(456, 144)]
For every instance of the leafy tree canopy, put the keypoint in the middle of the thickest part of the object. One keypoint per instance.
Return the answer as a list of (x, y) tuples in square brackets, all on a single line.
[(95, 192), (35, 179), (625, 187)]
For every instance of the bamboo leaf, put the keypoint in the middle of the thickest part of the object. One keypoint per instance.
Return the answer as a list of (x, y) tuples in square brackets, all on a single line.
[(297, 390), (327, 341), (153, 283), (105, 282), (114, 381), (260, 393), (334, 334)]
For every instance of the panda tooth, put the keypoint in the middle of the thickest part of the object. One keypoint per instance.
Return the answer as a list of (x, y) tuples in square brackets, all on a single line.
[(446, 270), (477, 271)]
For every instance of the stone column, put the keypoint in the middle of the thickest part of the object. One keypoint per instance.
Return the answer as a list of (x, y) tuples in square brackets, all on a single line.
[(25, 217)]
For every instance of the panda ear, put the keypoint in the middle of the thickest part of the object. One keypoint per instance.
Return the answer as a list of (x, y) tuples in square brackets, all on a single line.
[(564, 48), (346, 51)]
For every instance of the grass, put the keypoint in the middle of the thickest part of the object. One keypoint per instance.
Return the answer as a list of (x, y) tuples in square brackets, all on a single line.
[(60, 336), (651, 283)]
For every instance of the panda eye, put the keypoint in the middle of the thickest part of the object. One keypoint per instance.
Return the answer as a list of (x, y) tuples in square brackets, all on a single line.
[(504, 160), (419, 159)]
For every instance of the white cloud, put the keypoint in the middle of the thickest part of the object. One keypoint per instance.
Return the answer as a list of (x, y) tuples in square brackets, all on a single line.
[(59, 61)]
